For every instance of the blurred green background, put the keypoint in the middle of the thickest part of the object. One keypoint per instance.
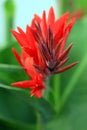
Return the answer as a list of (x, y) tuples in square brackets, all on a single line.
[(64, 104)]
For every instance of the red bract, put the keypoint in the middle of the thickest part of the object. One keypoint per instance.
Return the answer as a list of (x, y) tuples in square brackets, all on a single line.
[(43, 49)]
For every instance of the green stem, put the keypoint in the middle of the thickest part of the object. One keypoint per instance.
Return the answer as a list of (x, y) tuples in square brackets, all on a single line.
[(56, 86), (9, 26), (38, 122), (40, 125), (52, 93), (9, 8), (46, 92)]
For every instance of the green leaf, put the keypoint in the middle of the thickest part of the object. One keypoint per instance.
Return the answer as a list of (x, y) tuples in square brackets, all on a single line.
[(73, 81), (6, 55), (6, 124), (17, 100), (14, 108), (11, 73)]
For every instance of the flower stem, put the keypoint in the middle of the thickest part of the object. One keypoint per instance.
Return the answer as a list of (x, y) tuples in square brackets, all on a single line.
[(47, 89), (56, 81), (9, 8), (38, 122), (40, 125)]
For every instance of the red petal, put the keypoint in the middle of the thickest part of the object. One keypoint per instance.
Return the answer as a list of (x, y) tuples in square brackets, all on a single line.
[(36, 92), (30, 38), (30, 68), (37, 19), (60, 23), (29, 51), (62, 45), (39, 81), (51, 17), (70, 25), (21, 38), (58, 37), (17, 56), (21, 59), (24, 84), (21, 31), (16, 35), (44, 24), (24, 55)]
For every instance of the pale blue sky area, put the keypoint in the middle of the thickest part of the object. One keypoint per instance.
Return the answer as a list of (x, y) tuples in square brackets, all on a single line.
[(25, 9)]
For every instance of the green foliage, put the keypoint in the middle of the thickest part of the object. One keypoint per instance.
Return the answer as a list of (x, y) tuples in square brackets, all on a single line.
[(6, 55), (17, 105)]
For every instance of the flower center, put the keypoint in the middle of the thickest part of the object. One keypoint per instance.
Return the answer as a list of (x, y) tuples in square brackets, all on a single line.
[(46, 47)]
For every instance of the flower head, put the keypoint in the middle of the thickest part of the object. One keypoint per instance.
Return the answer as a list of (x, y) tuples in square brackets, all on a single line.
[(43, 49)]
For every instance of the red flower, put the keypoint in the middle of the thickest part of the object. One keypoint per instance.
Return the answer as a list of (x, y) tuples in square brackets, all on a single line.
[(43, 51)]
